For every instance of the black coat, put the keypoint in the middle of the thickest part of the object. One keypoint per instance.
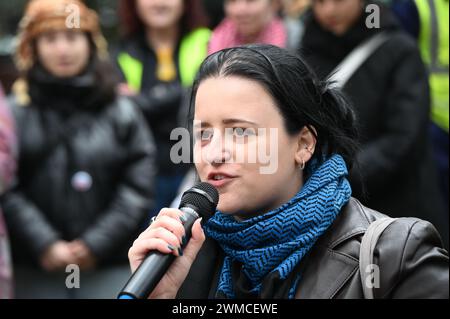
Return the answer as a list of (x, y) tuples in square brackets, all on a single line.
[(86, 169), (409, 254), (390, 95)]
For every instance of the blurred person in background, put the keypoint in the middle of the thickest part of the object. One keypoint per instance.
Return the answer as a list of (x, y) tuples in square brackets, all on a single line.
[(391, 97), (427, 21), (164, 43), (7, 167), (85, 168), (249, 21)]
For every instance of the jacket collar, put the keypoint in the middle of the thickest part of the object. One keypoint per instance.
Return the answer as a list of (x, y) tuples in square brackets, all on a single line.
[(331, 263), (351, 222)]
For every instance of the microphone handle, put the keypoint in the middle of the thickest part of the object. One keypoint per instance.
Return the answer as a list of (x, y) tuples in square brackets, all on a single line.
[(155, 265)]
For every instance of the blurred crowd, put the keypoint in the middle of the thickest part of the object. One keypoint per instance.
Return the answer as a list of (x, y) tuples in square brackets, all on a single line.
[(86, 120)]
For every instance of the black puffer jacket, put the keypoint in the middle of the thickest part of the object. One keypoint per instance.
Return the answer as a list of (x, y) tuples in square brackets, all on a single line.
[(390, 95), (86, 169)]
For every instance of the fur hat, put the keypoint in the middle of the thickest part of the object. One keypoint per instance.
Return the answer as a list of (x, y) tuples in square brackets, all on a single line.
[(53, 15)]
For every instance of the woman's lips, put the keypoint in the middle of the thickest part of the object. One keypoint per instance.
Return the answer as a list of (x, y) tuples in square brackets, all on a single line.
[(219, 179), (220, 182), (332, 24), (65, 65)]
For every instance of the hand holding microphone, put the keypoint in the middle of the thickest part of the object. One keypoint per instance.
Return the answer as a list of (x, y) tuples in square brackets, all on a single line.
[(162, 255)]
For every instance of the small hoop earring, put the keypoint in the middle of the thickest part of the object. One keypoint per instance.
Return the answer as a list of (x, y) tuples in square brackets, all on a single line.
[(302, 167)]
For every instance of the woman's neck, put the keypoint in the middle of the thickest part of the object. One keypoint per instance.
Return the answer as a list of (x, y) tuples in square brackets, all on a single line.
[(162, 38), (292, 189)]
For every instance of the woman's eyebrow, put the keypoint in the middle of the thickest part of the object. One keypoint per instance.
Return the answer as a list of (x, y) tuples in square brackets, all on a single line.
[(234, 121), (201, 124)]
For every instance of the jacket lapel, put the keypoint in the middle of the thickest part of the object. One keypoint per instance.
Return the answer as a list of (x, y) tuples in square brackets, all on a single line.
[(322, 280), (326, 270)]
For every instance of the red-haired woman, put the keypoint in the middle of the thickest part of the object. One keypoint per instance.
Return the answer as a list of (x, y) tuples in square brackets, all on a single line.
[(163, 46)]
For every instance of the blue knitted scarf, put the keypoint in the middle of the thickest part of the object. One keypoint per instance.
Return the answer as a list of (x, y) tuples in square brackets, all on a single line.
[(278, 240)]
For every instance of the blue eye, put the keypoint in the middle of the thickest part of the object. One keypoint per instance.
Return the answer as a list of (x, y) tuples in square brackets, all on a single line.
[(243, 132), (204, 135)]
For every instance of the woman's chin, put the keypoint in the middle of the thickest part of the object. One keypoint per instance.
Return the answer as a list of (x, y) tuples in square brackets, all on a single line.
[(226, 209), (227, 206)]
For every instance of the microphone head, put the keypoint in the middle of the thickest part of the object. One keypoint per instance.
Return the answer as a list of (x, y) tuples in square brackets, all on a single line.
[(204, 197)]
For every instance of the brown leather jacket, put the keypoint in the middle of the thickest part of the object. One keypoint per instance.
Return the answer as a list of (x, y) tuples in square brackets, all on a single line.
[(409, 254)]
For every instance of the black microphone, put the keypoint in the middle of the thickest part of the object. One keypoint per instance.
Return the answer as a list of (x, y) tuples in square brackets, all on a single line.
[(199, 201)]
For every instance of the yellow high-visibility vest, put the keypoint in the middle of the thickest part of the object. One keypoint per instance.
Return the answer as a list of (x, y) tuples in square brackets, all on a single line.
[(193, 50), (433, 42)]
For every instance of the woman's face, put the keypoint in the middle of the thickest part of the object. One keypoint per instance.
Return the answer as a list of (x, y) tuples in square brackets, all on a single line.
[(237, 128), (63, 53), (250, 16), (337, 16), (160, 14)]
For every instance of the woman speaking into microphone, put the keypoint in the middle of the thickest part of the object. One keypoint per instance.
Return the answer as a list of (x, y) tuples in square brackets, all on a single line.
[(294, 230)]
